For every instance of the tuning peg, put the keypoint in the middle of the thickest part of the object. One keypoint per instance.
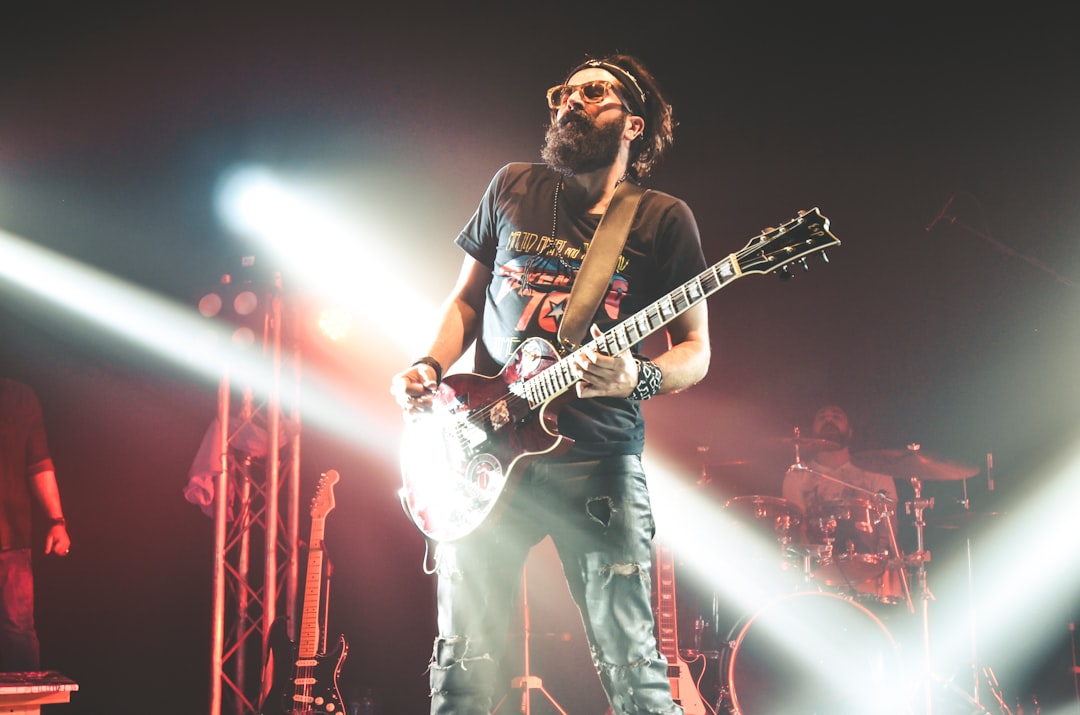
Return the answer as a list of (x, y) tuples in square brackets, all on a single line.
[(824, 257), (804, 264), (784, 273)]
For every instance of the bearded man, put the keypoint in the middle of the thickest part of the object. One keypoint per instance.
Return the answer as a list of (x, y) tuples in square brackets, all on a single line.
[(523, 247), (849, 514)]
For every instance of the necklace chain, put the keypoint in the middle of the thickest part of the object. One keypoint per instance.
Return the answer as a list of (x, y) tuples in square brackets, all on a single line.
[(555, 210), (555, 204)]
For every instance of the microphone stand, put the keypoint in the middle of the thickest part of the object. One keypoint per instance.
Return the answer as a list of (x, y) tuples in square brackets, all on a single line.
[(527, 682), (944, 215)]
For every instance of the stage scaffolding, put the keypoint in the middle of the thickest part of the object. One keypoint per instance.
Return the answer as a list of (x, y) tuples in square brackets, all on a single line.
[(255, 512)]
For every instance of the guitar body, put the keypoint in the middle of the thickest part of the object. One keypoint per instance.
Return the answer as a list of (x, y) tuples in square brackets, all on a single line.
[(303, 687), (460, 463), (684, 688)]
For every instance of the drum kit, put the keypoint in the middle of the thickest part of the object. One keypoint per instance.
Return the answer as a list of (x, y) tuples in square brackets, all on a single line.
[(852, 578)]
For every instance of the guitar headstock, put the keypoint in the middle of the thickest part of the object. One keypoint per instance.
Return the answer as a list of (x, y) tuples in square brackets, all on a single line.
[(775, 248), (323, 501)]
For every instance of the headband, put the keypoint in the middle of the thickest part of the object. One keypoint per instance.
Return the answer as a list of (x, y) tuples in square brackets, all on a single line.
[(627, 80)]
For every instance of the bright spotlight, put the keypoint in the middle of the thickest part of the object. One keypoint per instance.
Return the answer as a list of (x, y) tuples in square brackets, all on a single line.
[(334, 324), (331, 254), (241, 302)]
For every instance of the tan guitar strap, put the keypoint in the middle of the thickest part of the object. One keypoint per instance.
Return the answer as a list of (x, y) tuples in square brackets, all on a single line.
[(594, 276)]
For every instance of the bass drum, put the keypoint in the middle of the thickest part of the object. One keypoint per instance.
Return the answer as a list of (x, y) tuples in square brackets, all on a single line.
[(812, 654)]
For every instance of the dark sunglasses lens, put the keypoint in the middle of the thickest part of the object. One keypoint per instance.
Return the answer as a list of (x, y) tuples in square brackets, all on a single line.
[(593, 91)]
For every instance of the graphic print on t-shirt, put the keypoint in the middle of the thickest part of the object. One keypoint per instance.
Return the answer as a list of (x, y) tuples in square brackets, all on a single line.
[(542, 284)]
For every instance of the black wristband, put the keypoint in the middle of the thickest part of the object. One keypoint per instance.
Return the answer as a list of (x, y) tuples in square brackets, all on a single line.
[(433, 364), (650, 378), (58, 521)]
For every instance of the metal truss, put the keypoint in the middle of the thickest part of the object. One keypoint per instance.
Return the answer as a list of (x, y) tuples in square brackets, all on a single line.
[(256, 519)]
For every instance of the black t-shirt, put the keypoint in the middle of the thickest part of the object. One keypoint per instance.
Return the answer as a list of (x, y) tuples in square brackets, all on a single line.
[(532, 273), (24, 452)]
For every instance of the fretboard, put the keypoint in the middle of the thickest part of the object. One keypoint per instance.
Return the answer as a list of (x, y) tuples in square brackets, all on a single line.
[(308, 642), (666, 624), (561, 376)]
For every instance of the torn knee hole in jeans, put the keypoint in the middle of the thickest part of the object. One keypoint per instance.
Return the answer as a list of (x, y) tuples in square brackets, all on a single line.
[(600, 510), (624, 568), (450, 651)]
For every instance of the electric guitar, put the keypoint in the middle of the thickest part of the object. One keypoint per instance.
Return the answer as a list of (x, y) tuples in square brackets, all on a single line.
[(305, 680), (684, 689), (461, 461)]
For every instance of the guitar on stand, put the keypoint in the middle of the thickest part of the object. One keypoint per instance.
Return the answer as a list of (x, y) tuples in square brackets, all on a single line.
[(305, 675), (684, 687)]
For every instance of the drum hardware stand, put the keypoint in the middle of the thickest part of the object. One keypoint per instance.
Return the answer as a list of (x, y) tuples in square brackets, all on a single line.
[(1075, 669), (985, 671), (527, 682), (798, 459), (918, 506), (825, 552), (896, 551), (980, 709)]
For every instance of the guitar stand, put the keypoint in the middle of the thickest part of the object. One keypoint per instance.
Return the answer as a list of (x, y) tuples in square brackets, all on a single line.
[(527, 682)]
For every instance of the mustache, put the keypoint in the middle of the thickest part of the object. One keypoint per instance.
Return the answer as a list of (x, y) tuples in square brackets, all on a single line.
[(575, 118)]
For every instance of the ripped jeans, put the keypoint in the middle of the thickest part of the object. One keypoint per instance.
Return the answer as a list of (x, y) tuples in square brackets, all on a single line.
[(599, 517)]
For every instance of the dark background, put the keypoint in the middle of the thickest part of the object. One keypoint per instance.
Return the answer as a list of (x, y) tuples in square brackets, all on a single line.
[(116, 125)]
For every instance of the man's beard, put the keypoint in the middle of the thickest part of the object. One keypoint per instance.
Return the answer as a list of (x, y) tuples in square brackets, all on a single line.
[(579, 144), (832, 433)]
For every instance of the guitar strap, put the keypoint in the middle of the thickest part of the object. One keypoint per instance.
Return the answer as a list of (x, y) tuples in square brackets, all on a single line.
[(594, 276)]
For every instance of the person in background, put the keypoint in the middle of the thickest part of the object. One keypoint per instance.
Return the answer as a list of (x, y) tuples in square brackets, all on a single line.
[(26, 474), (807, 488), (609, 124), (852, 508)]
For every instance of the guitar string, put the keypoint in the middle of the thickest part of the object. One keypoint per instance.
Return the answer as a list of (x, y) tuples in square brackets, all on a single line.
[(514, 399), (485, 411)]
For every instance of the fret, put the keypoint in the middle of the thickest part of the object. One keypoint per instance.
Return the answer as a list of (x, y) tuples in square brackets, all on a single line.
[(549, 381), (641, 322), (667, 309)]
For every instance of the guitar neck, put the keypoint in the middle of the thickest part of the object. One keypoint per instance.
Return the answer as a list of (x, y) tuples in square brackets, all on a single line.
[(561, 376), (666, 623), (772, 250), (308, 641)]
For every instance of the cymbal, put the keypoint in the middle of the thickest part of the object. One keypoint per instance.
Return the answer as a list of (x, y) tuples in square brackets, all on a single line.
[(905, 463), (813, 443), (962, 520)]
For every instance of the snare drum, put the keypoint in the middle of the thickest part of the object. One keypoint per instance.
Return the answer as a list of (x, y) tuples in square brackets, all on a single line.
[(770, 515), (812, 653)]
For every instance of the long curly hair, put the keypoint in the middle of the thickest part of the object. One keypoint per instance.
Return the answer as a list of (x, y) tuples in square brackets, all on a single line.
[(647, 150)]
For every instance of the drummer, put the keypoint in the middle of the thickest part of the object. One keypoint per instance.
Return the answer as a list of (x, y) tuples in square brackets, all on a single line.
[(830, 475)]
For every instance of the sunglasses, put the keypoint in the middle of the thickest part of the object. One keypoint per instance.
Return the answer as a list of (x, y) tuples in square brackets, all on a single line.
[(592, 92)]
